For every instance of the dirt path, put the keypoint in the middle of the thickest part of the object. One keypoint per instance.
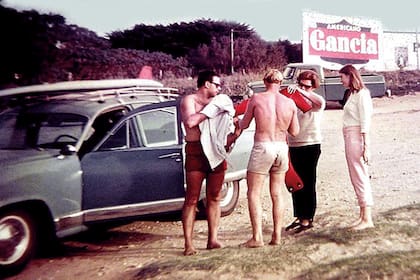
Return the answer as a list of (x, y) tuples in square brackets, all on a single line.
[(122, 252)]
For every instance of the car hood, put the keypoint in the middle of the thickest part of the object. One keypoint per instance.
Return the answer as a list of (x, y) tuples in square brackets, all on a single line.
[(9, 158)]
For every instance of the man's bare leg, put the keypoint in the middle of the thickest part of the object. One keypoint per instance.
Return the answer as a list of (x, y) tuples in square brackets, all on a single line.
[(188, 218), (213, 189), (276, 183), (194, 181), (255, 184)]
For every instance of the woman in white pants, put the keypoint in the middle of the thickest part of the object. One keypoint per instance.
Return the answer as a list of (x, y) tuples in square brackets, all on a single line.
[(356, 125)]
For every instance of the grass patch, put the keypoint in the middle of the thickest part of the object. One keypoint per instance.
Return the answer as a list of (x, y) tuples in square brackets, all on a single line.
[(240, 261), (339, 236), (395, 265), (399, 221), (395, 214), (245, 262), (344, 236), (292, 257)]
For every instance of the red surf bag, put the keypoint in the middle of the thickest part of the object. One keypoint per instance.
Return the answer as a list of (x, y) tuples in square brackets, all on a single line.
[(301, 101)]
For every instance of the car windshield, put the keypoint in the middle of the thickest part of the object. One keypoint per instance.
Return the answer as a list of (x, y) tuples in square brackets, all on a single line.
[(21, 130), (288, 72), (258, 88)]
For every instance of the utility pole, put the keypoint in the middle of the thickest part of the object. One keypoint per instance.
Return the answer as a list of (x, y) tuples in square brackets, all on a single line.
[(231, 52), (417, 49)]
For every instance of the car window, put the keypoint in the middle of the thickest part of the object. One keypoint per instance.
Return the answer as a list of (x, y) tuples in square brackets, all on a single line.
[(12, 133), (289, 72), (258, 89), (57, 130), (44, 130), (122, 138), (152, 128), (101, 129), (158, 127)]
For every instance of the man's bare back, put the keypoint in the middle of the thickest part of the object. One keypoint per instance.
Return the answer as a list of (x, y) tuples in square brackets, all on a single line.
[(274, 115)]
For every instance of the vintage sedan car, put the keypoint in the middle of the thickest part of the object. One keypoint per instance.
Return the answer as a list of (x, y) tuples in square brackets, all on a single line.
[(78, 154)]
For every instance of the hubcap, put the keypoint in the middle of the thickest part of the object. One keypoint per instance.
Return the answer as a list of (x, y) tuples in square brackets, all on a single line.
[(14, 239)]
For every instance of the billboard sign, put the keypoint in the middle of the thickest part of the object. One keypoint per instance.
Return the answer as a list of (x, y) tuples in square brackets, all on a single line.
[(334, 41)]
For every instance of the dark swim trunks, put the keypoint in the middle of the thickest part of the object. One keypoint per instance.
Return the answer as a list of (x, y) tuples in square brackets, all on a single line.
[(196, 160)]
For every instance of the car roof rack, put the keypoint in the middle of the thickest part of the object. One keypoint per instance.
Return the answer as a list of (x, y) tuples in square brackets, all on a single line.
[(165, 93), (92, 90), (68, 87)]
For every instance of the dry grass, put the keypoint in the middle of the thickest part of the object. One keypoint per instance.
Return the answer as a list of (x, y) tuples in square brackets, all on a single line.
[(400, 82), (394, 265), (232, 85), (293, 257)]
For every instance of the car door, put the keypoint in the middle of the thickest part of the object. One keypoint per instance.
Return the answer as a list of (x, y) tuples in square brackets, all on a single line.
[(138, 168), (34, 164)]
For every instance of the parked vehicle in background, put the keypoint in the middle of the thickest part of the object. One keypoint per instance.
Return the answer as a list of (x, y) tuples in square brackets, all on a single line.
[(330, 84), (81, 154)]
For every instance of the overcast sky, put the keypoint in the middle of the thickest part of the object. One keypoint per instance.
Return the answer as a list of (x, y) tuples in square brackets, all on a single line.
[(271, 19)]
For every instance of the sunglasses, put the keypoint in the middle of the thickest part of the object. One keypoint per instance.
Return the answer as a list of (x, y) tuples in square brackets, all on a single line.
[(305, 86), (217, 85)]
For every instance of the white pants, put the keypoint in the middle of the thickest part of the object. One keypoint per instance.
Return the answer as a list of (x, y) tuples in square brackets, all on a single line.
[(358, 169)]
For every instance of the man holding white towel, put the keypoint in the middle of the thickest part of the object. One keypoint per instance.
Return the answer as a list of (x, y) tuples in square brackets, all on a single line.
[(208, 123)]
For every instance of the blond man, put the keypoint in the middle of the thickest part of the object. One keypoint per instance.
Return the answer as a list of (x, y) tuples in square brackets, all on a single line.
[(275, 116)]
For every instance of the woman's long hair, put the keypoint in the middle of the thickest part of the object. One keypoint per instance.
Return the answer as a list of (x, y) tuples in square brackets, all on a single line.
[(309, 75), (356, 82)]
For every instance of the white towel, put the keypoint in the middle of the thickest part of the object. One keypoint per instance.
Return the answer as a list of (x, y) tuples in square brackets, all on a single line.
[(216, 128)]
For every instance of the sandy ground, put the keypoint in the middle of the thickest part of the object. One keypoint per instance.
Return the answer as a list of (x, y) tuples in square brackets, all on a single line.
[(119, 253)]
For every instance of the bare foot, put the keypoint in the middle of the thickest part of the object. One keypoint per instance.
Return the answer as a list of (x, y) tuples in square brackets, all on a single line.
[(190, 251), (363, 225), (275, 240), (214, 245), (252, 244), (355, 223)]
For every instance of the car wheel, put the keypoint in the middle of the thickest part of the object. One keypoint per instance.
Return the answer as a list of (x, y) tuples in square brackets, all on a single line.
[(17, 241), (228, 201), (230, 196)]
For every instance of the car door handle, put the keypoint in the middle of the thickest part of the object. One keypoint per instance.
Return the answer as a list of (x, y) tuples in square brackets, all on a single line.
[(173, 155)]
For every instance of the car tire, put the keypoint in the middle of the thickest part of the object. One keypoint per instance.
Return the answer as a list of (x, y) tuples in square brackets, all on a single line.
[(228, 201), (17, 241)]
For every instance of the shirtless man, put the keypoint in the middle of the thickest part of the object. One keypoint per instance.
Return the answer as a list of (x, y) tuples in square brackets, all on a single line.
[(197, 165), (274, 115)]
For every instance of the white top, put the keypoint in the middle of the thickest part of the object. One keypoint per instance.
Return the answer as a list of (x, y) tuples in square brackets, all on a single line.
[(358, 110), (310, 127)]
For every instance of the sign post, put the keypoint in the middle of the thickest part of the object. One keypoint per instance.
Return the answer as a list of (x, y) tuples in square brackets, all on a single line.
[(416, 49)]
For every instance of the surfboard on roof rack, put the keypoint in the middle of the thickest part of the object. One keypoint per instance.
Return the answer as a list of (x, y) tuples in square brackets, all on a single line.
[(79, 86)]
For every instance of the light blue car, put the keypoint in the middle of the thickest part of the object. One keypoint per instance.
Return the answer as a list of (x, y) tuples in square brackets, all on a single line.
[(78, 154)]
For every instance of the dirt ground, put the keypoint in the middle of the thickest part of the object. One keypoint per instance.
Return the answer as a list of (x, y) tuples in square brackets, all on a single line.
[(120, 253)]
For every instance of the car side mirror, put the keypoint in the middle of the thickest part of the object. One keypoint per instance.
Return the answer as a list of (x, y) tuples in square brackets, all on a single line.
[(68, 150)]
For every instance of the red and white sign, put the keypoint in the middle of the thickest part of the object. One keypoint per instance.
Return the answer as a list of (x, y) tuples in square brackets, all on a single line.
[(334, 41)]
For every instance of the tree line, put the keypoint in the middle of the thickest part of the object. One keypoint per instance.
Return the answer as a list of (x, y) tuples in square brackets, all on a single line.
[(39, 48)]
